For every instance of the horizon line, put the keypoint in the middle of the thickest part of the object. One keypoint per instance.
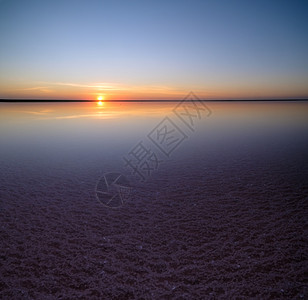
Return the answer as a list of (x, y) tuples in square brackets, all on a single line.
[(155, 100)]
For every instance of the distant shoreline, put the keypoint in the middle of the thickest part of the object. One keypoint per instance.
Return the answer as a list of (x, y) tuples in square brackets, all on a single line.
[(158, 101)]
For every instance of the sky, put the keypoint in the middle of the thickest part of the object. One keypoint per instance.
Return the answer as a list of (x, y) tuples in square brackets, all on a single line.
[(153, 49)]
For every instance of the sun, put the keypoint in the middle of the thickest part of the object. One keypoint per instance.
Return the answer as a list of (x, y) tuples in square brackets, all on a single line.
[(100, 100)]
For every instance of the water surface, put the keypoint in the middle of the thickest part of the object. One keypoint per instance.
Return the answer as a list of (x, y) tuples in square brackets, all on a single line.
[(221, 215)]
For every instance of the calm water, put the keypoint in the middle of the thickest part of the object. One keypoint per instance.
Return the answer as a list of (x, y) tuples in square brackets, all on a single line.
[(222, 212), (88, 139)]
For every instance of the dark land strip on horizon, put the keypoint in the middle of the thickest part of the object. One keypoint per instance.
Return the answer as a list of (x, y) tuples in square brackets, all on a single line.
[(151, 100)]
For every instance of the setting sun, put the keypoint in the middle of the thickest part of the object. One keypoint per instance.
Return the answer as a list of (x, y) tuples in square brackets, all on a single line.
[(100, 102)]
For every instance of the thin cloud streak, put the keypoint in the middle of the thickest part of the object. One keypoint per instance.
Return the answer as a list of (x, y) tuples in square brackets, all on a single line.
[(105, 86), (43, 89), (117, 90), (96, 115)]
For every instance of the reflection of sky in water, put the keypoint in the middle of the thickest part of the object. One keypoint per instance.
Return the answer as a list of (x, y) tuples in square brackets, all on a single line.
[(85, 131)]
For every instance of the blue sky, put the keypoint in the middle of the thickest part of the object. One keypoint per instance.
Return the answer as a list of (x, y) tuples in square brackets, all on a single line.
[(153, 49)]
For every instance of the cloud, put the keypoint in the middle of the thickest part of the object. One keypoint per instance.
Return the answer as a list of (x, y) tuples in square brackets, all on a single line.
[(108, 86), (94, 115), (103, 86), (111, 90), (43, 89)]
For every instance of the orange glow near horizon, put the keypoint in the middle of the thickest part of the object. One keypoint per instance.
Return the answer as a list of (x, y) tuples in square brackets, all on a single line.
[(222, 112), (120, 91)]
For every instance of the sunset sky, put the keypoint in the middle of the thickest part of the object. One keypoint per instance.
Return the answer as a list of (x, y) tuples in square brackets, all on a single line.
[(153, 49)]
